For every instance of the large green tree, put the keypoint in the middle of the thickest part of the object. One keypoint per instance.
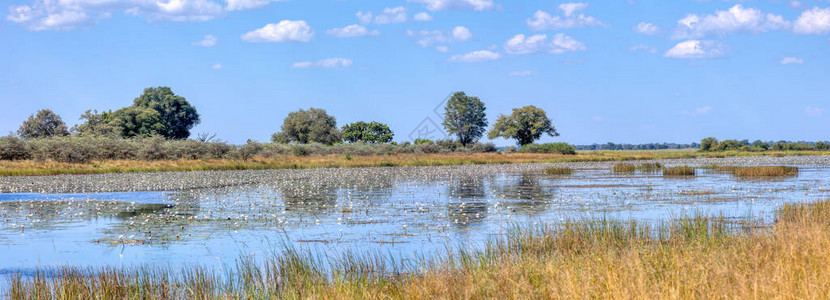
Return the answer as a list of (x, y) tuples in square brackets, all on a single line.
[(526, 125), (96, 124), (464, 117), (44, 124), (136, 121), (308, 126), (372, 132), (177, 115)]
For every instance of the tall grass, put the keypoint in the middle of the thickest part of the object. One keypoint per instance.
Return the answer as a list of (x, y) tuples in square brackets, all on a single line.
[(558, 171), (696, 257), (679, 171), (766, 171), (624, 168)]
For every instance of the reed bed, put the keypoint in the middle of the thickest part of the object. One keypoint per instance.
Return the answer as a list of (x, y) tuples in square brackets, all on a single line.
[(558, 171), (766, 171), (650, 167), (696, 257), (624, 168), (679, 171)]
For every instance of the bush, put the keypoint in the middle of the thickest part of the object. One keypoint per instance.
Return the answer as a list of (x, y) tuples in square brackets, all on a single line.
[(561, 148), (13, 148)]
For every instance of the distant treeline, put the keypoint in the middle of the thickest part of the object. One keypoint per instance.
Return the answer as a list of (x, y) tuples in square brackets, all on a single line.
[(712, 144), (652, 146)]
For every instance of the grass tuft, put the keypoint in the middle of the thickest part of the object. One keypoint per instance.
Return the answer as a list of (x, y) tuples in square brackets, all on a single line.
[(624, 168), (679, 171), (558, 171), (766, 171)]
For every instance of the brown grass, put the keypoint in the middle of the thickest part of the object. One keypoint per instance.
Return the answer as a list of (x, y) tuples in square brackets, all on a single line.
[(679, 171), (766, 171), (558, 171), (624, 168)]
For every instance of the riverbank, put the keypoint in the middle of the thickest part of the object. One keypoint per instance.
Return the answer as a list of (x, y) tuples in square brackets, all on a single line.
[(42, 168)]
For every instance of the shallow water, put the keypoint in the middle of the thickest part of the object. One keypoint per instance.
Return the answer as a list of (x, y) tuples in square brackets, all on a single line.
[(214, 218)]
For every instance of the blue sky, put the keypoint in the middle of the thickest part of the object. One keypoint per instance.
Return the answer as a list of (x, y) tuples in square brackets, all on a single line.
[(623, 71)]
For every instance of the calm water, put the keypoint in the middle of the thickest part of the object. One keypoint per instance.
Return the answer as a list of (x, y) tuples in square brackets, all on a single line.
[(401, 212)]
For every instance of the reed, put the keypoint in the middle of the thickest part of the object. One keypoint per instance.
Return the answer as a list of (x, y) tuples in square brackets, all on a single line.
[(650, 167), (624, 168), (558, 171), (679, 171), (766, 171)]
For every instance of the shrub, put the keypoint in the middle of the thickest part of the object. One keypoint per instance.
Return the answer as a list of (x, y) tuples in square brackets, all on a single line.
[(560, 148), (299, 150), (13, 148)]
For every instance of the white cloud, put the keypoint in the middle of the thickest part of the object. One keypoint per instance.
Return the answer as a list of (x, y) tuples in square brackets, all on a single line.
[(427, 38), (519, 44), (475, 5), (329, 63), (388, 16), (442, 49), (814, 111), (423, 17), (791, 60), (353, 30), (71, 14), (696, 49), (736, 19), (542, 20), (647, 28), (814, 21), (216, 66), (476, 56), (247, 4), (207, 41), (521, 73), (284, 31)]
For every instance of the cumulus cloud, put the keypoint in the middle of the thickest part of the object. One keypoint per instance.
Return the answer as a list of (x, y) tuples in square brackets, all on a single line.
[(736, 19), (207, 41), (791, 60), (423, 17), (427, 38), (71, 14), (387, 16), (284, 31), (519, 44), (476, 56), (353, 30), (696, 49), (647, 28), (247, 4), (329, 63), (474, 5), (813, 21), (571, 18), (521, 73)]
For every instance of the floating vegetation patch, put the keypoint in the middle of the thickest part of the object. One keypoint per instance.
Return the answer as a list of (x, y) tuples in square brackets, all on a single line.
[(558, 171), (624, 168), (679, 171), (770, 171)]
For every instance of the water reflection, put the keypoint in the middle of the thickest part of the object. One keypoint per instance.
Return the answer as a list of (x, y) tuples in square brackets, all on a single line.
[(525, 193)]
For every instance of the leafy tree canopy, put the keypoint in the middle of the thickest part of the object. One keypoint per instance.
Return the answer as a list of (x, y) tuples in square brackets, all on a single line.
[(136, 121), (526, 125), (44, 124), (372, 132), (307, 126), (177, 115), (464, 117)]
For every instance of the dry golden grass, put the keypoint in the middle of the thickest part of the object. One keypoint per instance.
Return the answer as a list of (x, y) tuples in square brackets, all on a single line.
[(679, 171), (624, 168), (766, 171), (558, 171), (686, 258)]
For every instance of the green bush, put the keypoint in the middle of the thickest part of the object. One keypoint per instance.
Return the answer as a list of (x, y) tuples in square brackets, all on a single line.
[(560, 148), (13, 148)]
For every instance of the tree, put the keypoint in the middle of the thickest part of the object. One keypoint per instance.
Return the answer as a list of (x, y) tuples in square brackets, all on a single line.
[(177, 115), (525, 124), (43, 125), (135, 121), (372, 132), (465, 118), (708, 144), (306, 126), (94, 123)]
